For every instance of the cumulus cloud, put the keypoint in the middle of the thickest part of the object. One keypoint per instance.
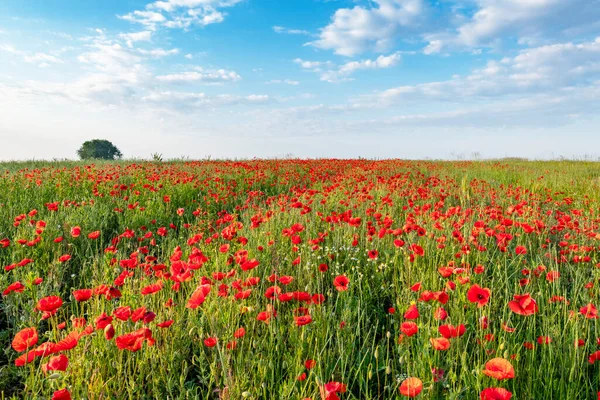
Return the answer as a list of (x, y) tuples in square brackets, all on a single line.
[(158, 53), (285, 81), (356, 30), (528, 21), (218, 76), (181, 14), (130, 38), (43, 60), (281, 29), (329, 72), (544, 69)]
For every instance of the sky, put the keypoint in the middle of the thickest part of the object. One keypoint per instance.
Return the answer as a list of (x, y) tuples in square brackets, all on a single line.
[(414, 79)]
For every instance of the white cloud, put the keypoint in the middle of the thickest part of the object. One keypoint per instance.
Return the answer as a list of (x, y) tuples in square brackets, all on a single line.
[(181, 14), (158, 53), (219, 76), (189, 56), (314, 65), (43, 60), (545, 69), (380, 62), (281, 29), (147, 18), (192, 100), (130, 38), (355, 30), (285, 81), (330, 73), (529, 21)]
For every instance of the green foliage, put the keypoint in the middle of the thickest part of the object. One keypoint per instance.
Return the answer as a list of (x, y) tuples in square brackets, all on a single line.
[(99, 149)]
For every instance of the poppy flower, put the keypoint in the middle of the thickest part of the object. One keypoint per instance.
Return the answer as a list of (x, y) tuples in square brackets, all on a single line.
[(594, 357), (62, 394), (75, 231), (210, 342), (373, 254), (82, 294), (412, 312), (303, 320), (523, 305), (133, 341), (590, 311), (240, 332), (409, 328), (479, 295), (16, 287), (198, 296), (411, 387), (440, 344), (520, 250), (449, 331), (341, 283), (56, 363), (440, 314), (495, 394), (329, 390), (24, 339), (310, 364), (499, 368)]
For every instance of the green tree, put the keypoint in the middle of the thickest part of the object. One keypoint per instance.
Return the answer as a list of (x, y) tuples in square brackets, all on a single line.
[(100, 149)]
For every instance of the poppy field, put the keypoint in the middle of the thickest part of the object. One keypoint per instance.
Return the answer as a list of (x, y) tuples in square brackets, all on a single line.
[(300, 279)]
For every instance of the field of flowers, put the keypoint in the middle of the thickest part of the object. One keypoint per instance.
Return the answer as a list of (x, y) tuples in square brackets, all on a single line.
[(300, 279)]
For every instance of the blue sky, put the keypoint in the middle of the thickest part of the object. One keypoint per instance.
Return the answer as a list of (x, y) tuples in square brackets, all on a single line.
[(309, 78)]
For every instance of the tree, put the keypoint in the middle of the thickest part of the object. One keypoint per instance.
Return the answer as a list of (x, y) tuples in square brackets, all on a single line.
[(100, 149)]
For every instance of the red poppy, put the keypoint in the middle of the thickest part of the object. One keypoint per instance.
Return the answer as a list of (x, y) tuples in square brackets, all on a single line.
[(240, 332), (16, 287), (411, 387), (523, 305), (62, 394), (520, 250), (412, 312), (303, 320), (495, 394), (449, 331), (479, 295), (341, 283), (329, 390), (590, 311), (75, 231), (56, 363), (499, 368), (409, 328), (211, 342), (440, 344), (82, 294), (25, 339), (198, 296)]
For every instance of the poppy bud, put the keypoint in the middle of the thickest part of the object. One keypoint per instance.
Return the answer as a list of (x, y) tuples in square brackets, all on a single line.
[(109, 332)]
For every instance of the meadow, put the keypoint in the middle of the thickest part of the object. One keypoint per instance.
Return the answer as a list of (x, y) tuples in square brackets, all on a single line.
[(300, 279)]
